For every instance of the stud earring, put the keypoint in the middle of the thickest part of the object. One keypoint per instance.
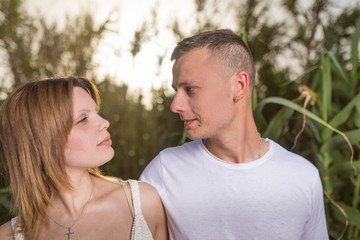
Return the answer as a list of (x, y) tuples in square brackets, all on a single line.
[(236, 99)]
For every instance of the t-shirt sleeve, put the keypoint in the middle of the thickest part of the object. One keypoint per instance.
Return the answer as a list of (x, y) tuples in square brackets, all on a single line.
[(153, 174), (316, 227)]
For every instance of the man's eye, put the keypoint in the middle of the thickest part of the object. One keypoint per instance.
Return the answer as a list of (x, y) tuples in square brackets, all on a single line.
[(189, 89)]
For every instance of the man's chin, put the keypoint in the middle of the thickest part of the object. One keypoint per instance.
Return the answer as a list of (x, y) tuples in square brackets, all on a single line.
[(193, 136)]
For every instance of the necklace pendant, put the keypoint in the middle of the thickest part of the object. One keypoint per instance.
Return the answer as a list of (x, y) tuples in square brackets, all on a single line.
[(69, 233)]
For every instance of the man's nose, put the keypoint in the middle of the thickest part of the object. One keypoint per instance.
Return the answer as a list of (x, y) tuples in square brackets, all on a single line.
[(177, 104)]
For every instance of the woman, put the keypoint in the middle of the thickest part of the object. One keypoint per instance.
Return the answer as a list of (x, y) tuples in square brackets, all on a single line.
[(52, 140)]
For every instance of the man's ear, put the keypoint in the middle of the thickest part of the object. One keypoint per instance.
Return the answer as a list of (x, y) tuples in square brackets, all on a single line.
[(241, 83)]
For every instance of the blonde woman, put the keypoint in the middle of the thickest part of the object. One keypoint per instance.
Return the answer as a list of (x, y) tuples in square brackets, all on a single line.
[(52, 140)]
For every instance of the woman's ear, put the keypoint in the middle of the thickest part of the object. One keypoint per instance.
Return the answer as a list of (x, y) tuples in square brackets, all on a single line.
[(241, 83)]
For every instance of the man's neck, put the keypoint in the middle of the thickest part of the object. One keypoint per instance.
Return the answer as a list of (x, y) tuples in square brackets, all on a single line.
[(237, 149)]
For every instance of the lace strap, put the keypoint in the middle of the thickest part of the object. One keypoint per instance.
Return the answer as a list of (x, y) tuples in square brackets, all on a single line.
[(134, 185), (17, 236), (128, 197)]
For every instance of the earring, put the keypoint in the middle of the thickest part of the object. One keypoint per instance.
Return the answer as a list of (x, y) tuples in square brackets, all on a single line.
[(236, 99)]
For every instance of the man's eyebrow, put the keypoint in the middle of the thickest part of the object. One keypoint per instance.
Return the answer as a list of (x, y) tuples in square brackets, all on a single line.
[(183, 83)]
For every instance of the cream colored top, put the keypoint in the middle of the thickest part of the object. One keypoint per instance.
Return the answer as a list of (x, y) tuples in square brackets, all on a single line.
[(16, 235), (140, 229)]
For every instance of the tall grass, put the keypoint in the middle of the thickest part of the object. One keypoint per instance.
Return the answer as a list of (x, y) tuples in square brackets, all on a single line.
[(326, 116)]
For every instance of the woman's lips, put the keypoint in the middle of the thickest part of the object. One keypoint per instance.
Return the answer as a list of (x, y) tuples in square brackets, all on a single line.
[(106, 142)]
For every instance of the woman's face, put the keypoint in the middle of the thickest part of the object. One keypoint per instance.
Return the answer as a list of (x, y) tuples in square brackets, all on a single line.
[(89, 142)]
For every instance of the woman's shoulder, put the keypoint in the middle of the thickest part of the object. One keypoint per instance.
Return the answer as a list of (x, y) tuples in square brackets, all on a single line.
[(148, 191), (112, 189), (109, 187), (153, 210), (110, 196), (150, 200), (6, 232), (113, 186)]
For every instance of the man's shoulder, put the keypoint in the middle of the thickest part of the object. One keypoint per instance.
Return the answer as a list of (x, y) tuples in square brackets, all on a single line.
[(294, 169), (172, 156), (291, 159), (187, 147)]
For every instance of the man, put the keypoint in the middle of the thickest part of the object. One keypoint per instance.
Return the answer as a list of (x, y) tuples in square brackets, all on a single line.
[(229, 183)]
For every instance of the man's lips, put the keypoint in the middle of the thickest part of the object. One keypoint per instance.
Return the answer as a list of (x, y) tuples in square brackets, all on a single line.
[(106, 142), (187, 123)]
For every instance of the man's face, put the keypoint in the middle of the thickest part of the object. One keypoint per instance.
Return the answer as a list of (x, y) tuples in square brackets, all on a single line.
[(204, 95)]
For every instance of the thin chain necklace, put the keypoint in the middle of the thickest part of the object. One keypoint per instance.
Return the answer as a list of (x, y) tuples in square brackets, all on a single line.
[(69, 228), (259, 150), (259, 155)]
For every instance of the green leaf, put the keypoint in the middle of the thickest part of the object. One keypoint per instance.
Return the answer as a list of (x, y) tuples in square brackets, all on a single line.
[(338, 141), (353, 215), (183, 137), (254, 99), (342, 116), (6, 203), (344, 168), (355, 53), (315, 130), (337, 67), (356, 115), (292, 105), (275, 126), (4, 194), (326, 86)]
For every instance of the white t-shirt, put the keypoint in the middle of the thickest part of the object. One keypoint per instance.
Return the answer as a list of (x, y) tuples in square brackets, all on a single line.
[(278, 196)]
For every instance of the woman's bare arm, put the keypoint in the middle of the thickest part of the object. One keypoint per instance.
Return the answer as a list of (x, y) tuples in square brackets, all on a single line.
[(153, 211), (6, 232)]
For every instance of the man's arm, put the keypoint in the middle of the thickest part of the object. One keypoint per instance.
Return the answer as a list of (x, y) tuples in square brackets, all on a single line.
[(153, 174), (316, 227)]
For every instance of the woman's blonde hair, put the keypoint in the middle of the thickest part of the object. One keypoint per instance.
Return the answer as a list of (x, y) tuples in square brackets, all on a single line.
[(35, 121)]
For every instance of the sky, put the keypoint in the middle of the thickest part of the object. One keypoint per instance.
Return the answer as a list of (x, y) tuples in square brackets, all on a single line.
[(113, 57)]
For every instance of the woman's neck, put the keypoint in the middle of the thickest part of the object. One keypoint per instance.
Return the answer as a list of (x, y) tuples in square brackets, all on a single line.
[(72, 201)]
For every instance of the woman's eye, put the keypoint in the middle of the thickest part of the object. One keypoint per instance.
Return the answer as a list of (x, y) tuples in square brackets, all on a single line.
[(82, 120)]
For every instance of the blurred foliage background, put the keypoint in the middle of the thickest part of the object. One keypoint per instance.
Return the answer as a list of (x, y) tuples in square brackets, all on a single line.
[(307, 95)]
